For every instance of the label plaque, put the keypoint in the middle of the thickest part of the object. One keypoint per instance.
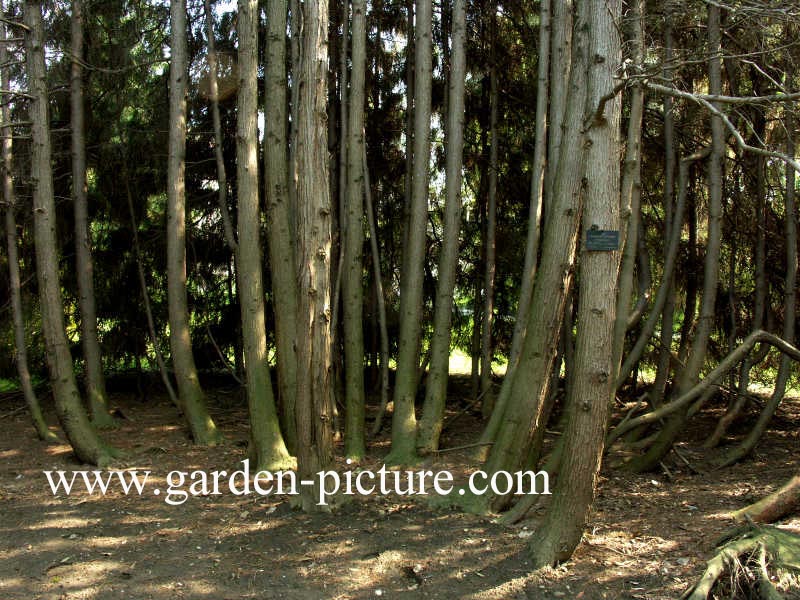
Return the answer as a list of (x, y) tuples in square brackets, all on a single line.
[(602, 240)]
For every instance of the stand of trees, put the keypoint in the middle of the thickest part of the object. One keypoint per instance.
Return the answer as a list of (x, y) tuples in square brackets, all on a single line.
[(600, 194)]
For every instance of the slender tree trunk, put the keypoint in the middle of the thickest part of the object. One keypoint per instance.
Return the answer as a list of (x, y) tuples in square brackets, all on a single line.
[(592, 381), (20, 349), (95, 382), (280, 216), (631, 191), (190, 393), (491, 228), (213, 97), (353, 217), (430, 426), (267, 448), (82, 436), (697, 354), (314, 409), (404, 422)]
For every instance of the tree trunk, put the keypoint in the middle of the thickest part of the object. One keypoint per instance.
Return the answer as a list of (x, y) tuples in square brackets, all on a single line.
[(190, 393), (314, 409), (404, 422), (280, 217), (267, 448), (491, 228), (86, 443), (592, 380), (553, 283), (352, 219), (20, 344), (95, 382), (775, 506), (430, 426)]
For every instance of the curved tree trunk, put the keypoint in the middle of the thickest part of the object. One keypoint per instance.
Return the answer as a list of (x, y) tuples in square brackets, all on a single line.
[(95, 382), (189, 391), (430, 426), (79, 431)]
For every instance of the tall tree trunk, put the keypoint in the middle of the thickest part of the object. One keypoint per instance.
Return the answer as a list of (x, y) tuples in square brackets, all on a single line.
[(529, 390), (267, 448), (592, 380), (541, 170), (691, 372), (491, 228), (404, 421), (352, 219), (20, 345), (82, 436), (280, 216), (430, 426), (190, 393), (314, 409), (95, 382)]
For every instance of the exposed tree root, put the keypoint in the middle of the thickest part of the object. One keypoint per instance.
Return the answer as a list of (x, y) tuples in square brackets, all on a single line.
[(761, 560), (775, 506)]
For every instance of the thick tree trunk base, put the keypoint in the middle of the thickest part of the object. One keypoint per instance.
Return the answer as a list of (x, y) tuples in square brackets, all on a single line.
[(773, 507), (761, 561)]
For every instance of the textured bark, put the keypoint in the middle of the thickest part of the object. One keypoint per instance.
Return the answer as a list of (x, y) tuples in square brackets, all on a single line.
[(553, 282), (93, 362), (404, 422), (85, 442), (592, 380), (776, 505), (280, 217), (189, 391), (430, 426), (15, 288), (314, 409), (267, 448)]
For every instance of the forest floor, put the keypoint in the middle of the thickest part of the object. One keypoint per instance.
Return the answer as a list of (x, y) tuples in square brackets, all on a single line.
[(648, 536)]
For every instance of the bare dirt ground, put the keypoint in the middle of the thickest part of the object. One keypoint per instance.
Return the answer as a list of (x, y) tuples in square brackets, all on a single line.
[(648, 537)]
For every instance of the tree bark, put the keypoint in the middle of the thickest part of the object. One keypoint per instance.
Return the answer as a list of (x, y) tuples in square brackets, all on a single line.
[(85, 442), (592, 380), (267, 448), (430, 426), (15, 288), (404, 422), (314, 409), (93, 362), (189, 391), (280, 216)]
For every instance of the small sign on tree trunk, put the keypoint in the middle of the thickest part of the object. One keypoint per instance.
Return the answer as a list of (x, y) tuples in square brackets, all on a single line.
[(602, 240)]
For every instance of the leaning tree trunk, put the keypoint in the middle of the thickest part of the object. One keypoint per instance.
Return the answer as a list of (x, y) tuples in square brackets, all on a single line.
[(280, 220), (430, 426), (776, 505), (353, 225), (690, 374), (95, 382), (20, 349), (81, 435), (592, 386), (267, 448), (190, 393), (404, 422), (529, 388), (314, 409)]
